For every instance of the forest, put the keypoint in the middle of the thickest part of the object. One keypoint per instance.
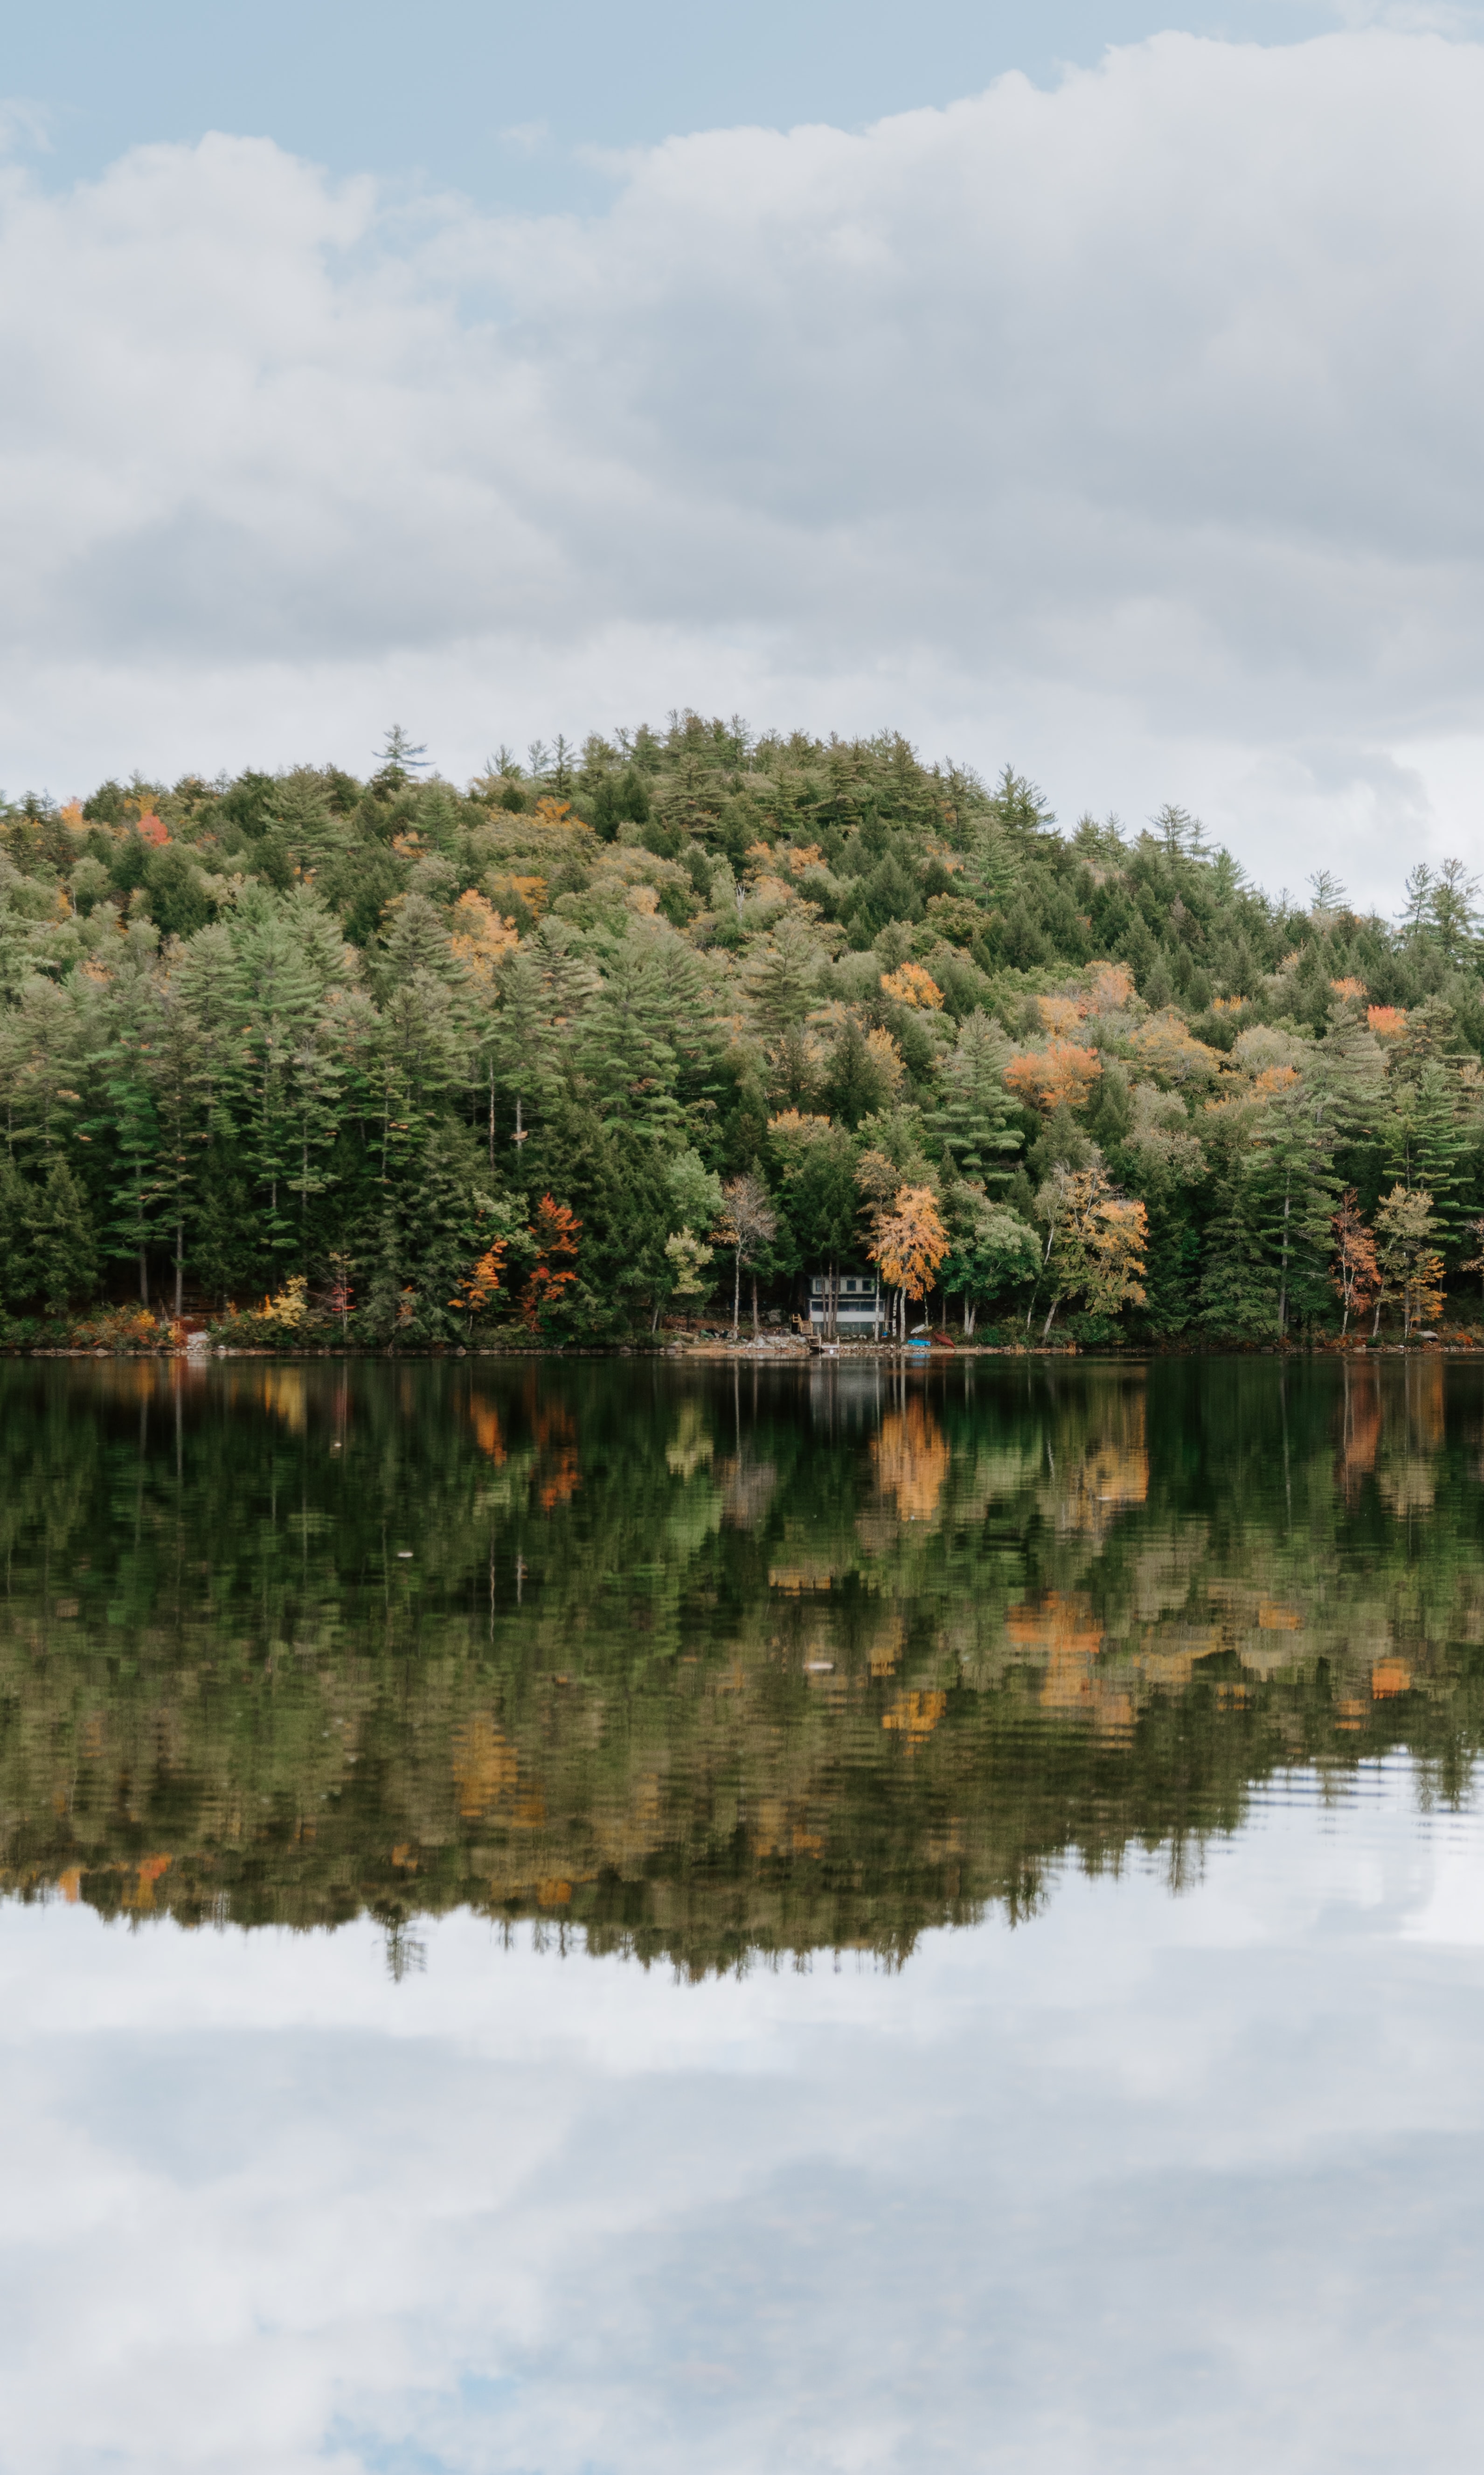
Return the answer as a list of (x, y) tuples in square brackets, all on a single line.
[(647, 1035)]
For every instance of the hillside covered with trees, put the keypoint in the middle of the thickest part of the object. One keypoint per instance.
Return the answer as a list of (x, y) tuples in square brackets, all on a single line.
[(670, 1025)]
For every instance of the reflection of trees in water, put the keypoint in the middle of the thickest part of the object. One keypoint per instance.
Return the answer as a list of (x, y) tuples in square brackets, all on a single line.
[(911, 1460), (706, 1662)]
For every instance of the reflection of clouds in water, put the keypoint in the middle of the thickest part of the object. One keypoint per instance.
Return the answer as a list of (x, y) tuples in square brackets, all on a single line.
[(1150, 2184)]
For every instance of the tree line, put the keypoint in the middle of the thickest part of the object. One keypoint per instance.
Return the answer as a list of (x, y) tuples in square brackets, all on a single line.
[(668, 1024)]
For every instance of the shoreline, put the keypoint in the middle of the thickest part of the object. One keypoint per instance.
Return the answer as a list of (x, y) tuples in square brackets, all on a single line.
[(797, 1352)]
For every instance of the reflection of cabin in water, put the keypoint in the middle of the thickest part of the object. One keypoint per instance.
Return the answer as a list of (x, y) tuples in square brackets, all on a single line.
[(857, 1302)]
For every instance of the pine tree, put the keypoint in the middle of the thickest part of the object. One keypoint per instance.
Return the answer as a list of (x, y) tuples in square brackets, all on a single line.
[(1427, 1142), (18, 1255), (65, 1251), (976, 1122)]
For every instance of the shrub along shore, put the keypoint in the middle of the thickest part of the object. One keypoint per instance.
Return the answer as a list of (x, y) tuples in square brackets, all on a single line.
[(617, 1043)]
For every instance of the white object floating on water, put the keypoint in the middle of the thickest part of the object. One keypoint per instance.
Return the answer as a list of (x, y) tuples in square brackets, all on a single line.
[(403, 1555)]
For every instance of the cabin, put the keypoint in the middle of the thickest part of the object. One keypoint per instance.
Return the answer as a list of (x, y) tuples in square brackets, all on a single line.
[(860, 1312)]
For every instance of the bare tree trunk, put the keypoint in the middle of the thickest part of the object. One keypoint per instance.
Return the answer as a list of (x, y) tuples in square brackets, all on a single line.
[(754, 1306), (180, 1269), (735, 1290), (1046, 1326), (144, 1278)]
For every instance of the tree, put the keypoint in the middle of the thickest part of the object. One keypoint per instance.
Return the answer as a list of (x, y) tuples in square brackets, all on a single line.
[(688, 1255), (912, 986), (1293, 1181), (909, 1241), (1476, 1230), (481, 1284), (747, 1223), (782, 978), (1356, 1275), (554, 1233), (1411, 1267), (136, 1187), (1427, 1141), (65, 1250), (399, 759), (1095, 1242), (1058, 1076), (17, 1259), (817, 1160), (992, 1250), (975, 1120)]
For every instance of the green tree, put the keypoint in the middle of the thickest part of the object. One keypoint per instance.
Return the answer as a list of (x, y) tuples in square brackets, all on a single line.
[(977, 1120), (993, 1249), (63, 1248)]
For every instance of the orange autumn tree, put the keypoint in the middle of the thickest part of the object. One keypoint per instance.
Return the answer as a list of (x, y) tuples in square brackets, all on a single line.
[(1356, 1276), (1059, 1075), (555, 1231), (480, 1287), (908, 1242)]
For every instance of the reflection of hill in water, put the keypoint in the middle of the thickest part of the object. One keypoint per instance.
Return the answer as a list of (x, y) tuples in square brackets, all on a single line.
[(708, 1663)]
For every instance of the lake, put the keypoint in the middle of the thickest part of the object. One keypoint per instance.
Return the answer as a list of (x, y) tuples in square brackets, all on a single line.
[(581, 1918)]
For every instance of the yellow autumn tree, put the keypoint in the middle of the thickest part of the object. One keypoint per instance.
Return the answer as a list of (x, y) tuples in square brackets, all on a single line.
[(908, 1242), (481, 938), (1166, 1049), (912, 986)]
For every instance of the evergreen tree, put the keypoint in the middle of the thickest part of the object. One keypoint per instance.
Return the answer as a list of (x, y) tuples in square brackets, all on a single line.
[(64, 1249), (976, 1122)]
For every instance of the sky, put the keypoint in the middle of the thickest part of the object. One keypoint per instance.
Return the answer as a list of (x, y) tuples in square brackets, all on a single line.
[(1094, 389)]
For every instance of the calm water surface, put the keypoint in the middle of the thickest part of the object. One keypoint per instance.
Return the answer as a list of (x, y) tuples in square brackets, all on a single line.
[(577, 1918)]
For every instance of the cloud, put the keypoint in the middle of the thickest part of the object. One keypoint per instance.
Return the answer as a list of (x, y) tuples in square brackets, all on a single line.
[(1126, 429)]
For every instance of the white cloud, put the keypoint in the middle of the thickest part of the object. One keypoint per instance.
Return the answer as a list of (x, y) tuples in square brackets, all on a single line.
[(1128, 430)]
